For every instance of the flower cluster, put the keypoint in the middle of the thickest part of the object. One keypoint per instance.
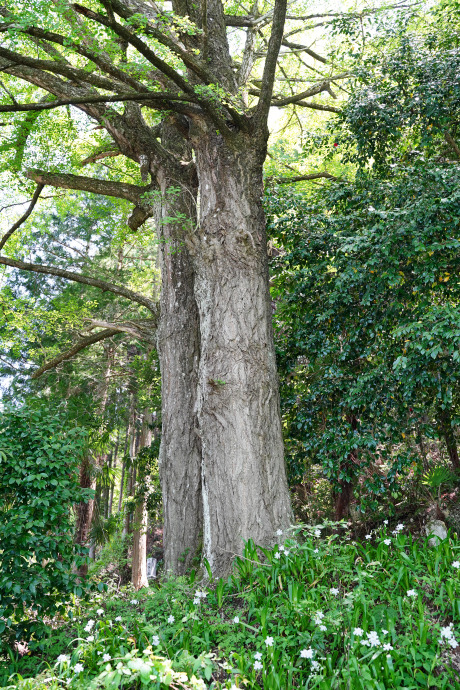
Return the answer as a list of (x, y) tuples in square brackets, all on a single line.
[(448, 637), (199, 596)]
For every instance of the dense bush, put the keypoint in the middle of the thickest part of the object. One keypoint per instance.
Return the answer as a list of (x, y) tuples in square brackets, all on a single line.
[(39, 462)]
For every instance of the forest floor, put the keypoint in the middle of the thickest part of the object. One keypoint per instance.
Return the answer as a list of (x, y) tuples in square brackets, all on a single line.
[(321, 610)]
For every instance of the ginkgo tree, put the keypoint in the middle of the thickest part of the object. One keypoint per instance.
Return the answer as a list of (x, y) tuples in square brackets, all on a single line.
[(189, 104)]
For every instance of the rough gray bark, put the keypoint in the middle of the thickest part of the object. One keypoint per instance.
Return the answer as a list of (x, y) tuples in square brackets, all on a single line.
[(245, 493), (179, 351)]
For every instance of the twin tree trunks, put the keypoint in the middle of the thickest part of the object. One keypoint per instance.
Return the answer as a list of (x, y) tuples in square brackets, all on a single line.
[(221, 460)]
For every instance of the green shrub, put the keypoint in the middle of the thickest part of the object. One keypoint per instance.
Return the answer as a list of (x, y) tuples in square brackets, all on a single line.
[(38, 484)]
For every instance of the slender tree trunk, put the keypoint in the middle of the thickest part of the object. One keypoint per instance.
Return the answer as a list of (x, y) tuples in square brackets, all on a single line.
[(84, 511), (245, 491), (445, 423), (139, 569), (343, 496), (179, 351)]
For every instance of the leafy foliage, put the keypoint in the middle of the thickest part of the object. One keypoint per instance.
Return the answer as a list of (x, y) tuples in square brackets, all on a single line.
[(39, 484)]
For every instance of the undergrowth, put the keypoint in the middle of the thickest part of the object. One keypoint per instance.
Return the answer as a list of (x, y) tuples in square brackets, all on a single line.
[(317, 611)]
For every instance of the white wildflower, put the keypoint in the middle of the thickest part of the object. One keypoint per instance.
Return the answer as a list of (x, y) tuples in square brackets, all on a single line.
[(277, 555), (453, 643), (358, 632), (307, 653), (385, 522), (63, 659), (456, 564), (315, 665), (134, 602), (279, 532), (368, 536), (411, 593), (257, 666), (118, 619), (171, 619), (258, 656), (323, 628), (155, 640), (269, 641), (447, 632), (78, 668), (316, 551), (387, 542), (106, 657), (334, 591), (236, 619), (100, 612), (197, 601), (317, 533), (373, 638), (387, 647)]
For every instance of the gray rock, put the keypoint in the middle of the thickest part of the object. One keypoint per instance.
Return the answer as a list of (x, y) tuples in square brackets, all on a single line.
[(438, 529)]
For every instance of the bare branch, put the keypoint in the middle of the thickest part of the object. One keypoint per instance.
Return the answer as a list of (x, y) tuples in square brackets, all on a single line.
[(86, 280), (23, 218), (304, 49), (318, 106), (312, 91), (305, 178), (142, 329), (99, 156), (80, 345)]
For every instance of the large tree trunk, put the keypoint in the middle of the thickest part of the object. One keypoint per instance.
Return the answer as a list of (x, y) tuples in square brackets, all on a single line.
[(179, 352), (245, 491)]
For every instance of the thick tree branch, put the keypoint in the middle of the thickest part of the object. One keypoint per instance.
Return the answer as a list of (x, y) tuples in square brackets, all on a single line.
[(23, 218), (158, 101), (99, 60), (86, 280), (122, 190), (75, 349), (137, 43), (58, 67), (193, 63), (274, 44), (141, 212)]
